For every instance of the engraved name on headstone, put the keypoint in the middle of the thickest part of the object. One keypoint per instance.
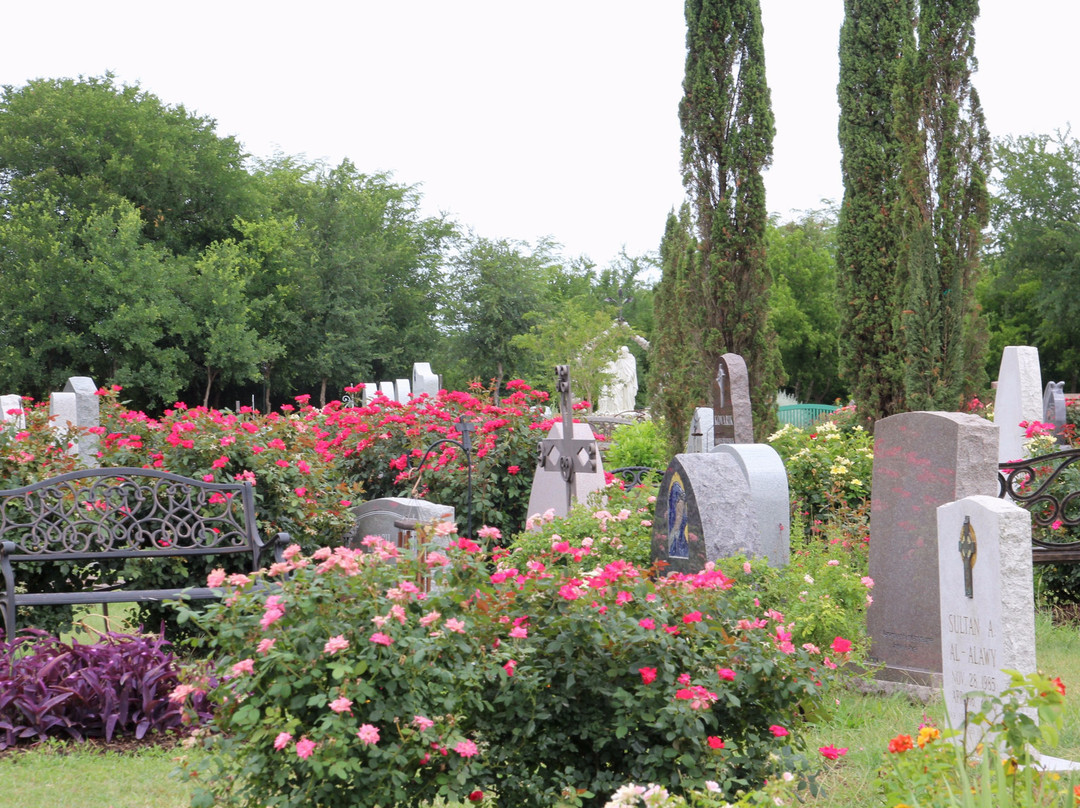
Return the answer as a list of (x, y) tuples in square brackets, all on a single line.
[(987, 602)]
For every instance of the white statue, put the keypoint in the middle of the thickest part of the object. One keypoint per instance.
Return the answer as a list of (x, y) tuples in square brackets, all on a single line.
[(618, 396)]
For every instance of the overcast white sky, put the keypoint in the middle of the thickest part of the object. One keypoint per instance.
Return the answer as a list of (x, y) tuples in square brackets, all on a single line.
[(519, 119)]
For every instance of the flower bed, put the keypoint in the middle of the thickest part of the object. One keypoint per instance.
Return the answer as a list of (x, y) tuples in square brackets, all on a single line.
[(346, 678)]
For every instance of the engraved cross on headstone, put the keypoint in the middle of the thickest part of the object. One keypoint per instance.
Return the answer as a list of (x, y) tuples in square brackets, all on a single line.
[(968, 549), (567, 455)]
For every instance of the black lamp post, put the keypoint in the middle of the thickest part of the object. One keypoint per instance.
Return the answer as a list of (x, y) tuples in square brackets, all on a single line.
[(466, 428)]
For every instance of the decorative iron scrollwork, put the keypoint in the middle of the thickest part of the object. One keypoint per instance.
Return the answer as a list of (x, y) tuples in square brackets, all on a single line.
[(1039, 484)]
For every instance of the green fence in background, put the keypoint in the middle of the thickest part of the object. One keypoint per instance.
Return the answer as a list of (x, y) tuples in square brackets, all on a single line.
[(802, 415)]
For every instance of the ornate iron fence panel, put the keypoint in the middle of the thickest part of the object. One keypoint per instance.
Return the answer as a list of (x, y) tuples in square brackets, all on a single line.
[(635, 475), (1048, 487)]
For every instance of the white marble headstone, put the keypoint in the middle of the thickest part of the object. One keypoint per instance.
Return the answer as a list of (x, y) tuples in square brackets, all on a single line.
[(63, 413), (1019, 397), (387, 389), (423, 380), (701, 431), (987, 611), (9, 403), (402, 390)]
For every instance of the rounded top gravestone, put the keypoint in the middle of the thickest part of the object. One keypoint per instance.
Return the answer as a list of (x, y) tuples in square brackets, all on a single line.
[(702, 512)]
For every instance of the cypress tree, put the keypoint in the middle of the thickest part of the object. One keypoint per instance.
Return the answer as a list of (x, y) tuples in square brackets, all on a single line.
[(728, 129), (944, 203), (872, 41), (676, 380)]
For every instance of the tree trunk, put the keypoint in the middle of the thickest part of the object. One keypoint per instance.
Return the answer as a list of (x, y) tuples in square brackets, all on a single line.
[(322, 392), (210, 374)]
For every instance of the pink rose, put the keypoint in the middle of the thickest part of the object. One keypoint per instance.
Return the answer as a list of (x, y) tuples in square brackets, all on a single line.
[(368, 734), (282, 740), (335, 644)]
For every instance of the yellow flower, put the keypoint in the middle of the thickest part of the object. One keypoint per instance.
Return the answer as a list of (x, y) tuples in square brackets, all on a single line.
[(927, 734)]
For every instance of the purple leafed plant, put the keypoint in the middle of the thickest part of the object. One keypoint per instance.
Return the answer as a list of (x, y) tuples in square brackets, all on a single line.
[(118, 686)]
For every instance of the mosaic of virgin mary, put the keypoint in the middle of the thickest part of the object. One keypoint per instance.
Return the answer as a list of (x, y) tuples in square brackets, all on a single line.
[(678, 547)]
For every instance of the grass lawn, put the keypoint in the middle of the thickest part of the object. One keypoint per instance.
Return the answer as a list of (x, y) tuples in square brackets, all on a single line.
[(66, 774)]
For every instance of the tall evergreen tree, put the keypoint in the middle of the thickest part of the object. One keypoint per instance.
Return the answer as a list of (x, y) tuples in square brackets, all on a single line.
[(676, 383), (944, 204), (727, 126), (872, 40)]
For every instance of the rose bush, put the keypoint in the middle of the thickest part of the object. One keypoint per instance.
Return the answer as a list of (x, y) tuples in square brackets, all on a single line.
[(342, 675), (829, 468), (614, 525)]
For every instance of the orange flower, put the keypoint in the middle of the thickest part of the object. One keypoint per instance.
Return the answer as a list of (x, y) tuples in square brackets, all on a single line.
[(927, 734), (901, 743), (1060, 685)]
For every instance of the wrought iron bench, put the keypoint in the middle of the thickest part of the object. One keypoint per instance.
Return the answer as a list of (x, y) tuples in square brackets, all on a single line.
[(96, 516), (1040, 485)]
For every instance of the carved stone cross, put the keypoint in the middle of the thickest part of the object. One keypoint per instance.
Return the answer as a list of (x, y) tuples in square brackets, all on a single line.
[(720, 374), (567, 455), (968, 551)]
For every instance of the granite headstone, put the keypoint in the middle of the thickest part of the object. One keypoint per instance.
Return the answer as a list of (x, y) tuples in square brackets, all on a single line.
[(87, 414), (703, 512), (549, 487), (770, 504), (1054, 409), (921, 460), (376, 518), (733, 421)]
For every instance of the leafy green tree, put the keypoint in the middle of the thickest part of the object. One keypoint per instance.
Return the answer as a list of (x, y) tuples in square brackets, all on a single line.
[(86, 295), (582, 336), (91, 143), (1028, 293), (944, 205), (351, 265), (221, 337), (803, 307), (495, 292), (727, 126), (872, 40)]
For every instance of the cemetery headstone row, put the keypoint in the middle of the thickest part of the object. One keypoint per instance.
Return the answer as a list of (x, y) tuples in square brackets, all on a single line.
[(78, 405), (423, 381)]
